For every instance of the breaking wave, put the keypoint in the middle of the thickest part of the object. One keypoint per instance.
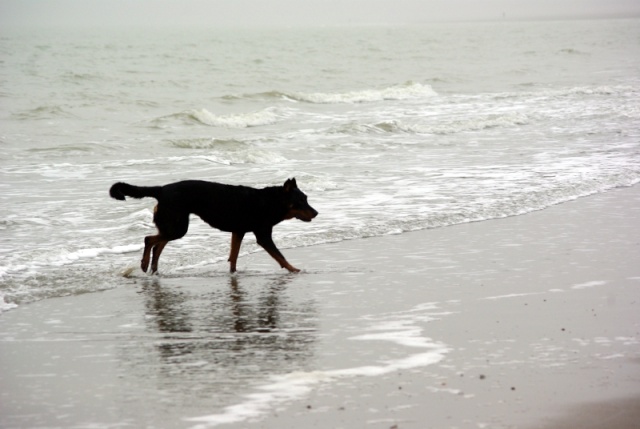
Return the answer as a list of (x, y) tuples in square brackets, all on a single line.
[(244, 120), (406, 91), (203, 116)]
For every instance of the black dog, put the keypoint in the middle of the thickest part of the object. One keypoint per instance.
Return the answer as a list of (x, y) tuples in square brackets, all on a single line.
[(234, 209)]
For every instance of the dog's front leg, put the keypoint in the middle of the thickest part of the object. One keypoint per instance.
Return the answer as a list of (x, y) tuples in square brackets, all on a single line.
[(265, 240)]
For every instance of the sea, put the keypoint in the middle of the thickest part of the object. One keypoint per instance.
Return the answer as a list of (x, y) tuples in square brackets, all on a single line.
[(386, 128)]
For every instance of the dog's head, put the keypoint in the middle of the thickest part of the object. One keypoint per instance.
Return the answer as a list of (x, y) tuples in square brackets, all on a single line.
[(297, 205)]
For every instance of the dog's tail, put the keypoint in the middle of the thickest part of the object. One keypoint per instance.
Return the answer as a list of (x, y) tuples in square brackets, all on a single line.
[(121, 190)]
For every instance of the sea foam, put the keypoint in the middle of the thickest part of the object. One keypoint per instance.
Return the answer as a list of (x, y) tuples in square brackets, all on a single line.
[(399, 92)]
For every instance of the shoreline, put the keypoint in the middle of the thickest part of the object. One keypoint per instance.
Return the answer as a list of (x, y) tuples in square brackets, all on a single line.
[(529, 321)]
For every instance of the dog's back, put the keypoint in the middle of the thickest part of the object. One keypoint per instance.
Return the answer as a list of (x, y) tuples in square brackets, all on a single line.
[(230, 208)]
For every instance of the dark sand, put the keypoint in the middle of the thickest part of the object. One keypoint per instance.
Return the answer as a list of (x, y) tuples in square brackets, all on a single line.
[(524, 322)]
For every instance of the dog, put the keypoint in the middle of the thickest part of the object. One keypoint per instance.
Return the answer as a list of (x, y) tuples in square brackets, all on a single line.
[(230, 208)]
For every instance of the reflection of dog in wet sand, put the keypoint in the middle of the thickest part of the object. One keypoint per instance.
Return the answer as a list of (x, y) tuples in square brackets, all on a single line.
[(234, 209)]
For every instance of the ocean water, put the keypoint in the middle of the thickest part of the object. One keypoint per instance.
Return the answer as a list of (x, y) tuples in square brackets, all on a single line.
[(387, 129)]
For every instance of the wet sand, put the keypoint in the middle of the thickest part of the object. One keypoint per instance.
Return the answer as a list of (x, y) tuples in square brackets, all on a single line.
[(524, 322)]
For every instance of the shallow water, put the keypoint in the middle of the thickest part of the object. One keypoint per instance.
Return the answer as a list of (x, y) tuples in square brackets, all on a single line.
[(494, 324), (387, 129)]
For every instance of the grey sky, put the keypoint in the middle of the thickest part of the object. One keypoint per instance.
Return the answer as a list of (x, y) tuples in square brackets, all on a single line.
[(294, 12)]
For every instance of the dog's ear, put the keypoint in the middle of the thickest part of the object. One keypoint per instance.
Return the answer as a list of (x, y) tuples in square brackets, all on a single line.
[(290, 184)]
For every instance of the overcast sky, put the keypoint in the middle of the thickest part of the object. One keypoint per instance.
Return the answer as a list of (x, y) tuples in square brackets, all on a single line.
[(294, 12)]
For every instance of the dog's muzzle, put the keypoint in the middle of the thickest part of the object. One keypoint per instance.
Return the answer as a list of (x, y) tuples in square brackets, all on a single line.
[(307, 215)]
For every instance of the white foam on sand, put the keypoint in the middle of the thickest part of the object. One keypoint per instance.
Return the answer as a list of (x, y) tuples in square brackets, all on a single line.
[(513, 295), (589, 284), (398, 328)]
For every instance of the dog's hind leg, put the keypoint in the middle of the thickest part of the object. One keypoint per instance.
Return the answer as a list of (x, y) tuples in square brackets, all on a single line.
[(236, 241), (150, 243), (171, 226)]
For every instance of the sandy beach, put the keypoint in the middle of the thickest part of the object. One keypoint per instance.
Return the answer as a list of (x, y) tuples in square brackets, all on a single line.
[(523, 322)]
